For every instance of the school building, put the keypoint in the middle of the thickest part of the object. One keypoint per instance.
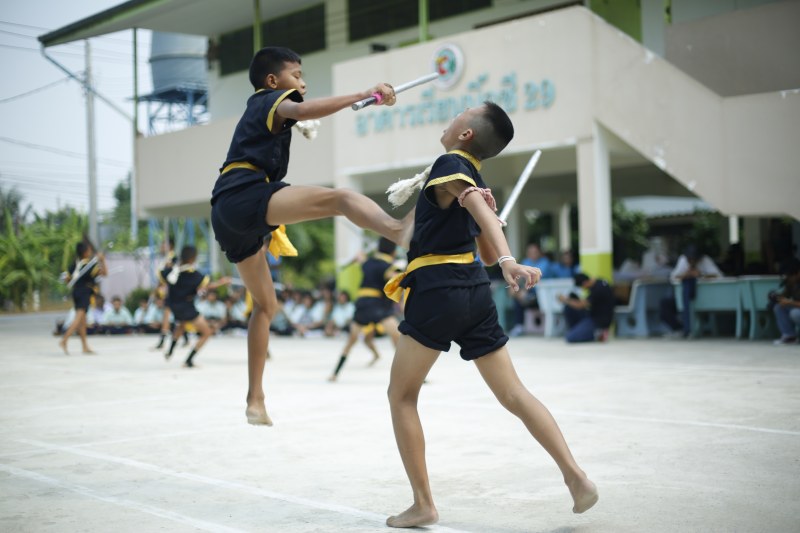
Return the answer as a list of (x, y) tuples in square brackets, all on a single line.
[(626, 98)]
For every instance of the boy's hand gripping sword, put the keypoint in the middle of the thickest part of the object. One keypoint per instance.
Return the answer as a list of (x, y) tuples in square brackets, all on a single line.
[(377, 97)]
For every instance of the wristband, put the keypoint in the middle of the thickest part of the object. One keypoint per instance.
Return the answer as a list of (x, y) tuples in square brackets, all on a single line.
[(504, 258)]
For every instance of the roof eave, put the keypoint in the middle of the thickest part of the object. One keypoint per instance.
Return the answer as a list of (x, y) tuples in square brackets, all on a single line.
[(98, 24)]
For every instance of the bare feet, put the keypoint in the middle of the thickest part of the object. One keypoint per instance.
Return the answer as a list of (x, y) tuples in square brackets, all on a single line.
[(89, 351), (257, 416), (414, 516), (584, 494), (63, 344), (374, 360)]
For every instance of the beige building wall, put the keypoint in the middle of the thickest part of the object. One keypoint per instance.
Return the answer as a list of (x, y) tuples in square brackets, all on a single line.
[(736, 153)]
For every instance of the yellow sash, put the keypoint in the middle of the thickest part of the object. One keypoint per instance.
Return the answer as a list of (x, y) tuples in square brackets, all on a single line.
[(393, 289), (241, 164), (369, 292), (280, 243)]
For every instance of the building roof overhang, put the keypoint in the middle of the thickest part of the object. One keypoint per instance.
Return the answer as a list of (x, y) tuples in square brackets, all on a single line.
[(192, 17)]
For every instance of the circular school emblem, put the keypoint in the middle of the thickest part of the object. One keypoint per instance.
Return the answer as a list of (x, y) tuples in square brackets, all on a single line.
[(448, 61)]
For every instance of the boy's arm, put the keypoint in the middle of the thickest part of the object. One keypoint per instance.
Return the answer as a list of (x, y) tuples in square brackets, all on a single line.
[(493, 235), (322, 107), (488, 254)]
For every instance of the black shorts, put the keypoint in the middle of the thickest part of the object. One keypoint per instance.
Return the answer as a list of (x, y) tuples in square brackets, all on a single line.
[(239, 218), (372, 310), (82, 297), (464, 315), (184, 311)]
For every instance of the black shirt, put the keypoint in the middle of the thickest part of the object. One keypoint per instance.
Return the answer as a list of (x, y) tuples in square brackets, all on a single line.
[(87, 280), (601, 304), (254, 142), (185, 289), (447, 231)]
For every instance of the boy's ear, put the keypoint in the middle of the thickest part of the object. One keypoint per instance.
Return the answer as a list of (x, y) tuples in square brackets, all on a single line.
[(271, 81), (466, 135)]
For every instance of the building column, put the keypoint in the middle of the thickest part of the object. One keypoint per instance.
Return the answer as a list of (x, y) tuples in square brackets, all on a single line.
[(213, 251), (564, 227), (594, 205), (752, 240), (733, 229)]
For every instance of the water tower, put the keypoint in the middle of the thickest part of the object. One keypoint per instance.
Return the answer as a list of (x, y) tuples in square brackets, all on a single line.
[(180, 84)]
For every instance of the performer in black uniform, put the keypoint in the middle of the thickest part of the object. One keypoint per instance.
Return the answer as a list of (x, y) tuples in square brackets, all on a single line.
[(168, 248), (449, 299), (184, 282), (83, 278), (250, 200), (373, 308)]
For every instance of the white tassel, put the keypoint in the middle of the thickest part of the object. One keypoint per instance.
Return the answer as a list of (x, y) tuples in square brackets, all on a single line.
[(400, 191), (308, 128), (172, 277)]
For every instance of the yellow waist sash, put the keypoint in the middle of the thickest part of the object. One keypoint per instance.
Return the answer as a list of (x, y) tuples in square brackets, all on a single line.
[(393, 289), (369, 292), (279, 244)]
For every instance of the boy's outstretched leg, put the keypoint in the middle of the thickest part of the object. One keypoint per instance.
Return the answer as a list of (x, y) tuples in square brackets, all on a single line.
[(411, 365), (499, 374), (299, 203), (256, 277)]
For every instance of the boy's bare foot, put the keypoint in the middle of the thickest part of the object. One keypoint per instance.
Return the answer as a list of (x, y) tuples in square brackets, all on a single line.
[(374, 360), (63, 344), (414, 516), (89, 351), (257, 416), (584, 494)]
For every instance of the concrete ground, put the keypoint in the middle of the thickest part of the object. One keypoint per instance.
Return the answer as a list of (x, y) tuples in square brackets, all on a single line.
[(679, 436)]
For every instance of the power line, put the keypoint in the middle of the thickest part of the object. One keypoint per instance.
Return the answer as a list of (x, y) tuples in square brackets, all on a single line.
[(59, 151), (33, 91), (37, 50)]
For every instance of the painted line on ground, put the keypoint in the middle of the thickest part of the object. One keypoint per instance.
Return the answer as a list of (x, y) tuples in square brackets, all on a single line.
[(651, 420), (121, 502), (679, 422), (223, 484)]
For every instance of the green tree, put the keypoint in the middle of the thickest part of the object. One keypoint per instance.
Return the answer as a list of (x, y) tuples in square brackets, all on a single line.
[(314, 242), (629, 230), (11, 203), (120, 219), (25, 264)]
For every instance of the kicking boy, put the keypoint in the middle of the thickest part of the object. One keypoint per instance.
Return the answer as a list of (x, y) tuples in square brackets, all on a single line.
[(183, 284), (450, 300), (250, 200)]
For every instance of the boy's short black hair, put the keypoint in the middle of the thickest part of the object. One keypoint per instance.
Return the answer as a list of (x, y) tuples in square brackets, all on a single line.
[(580, 279), (493, 131), (385, 246), (270, 60), (188, 254), (81, 248)]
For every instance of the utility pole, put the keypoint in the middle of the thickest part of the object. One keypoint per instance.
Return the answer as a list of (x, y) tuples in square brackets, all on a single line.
[(134, 199), (90, 149)]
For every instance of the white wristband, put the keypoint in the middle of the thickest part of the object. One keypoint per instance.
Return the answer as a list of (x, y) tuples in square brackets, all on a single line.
[(504, 258)]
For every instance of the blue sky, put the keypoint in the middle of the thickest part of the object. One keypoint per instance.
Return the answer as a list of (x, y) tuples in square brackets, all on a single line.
[(43, 115)]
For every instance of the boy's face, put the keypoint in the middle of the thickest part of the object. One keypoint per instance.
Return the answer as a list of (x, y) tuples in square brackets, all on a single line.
[(458, 130), (291, 77)]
